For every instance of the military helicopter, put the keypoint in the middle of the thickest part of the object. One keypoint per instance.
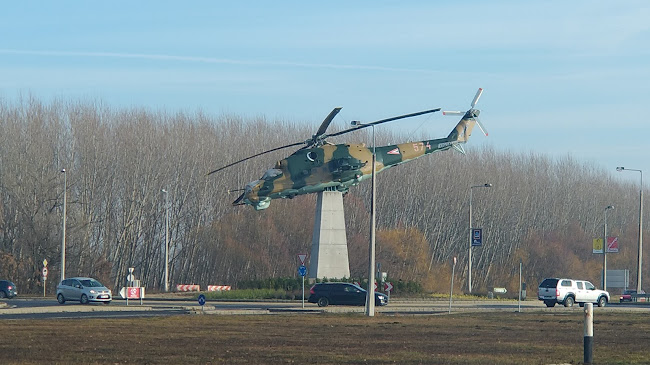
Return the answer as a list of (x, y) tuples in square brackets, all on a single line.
[(320, 165)]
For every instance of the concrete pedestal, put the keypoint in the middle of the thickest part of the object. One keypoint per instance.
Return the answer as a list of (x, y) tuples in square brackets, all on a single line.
[(329, 245)]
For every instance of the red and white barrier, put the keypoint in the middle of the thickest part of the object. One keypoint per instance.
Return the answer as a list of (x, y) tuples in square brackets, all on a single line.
[(189, 287), (218, 287)]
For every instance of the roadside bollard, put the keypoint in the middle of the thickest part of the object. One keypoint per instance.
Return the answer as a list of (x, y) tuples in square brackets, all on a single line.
[(589, 333)]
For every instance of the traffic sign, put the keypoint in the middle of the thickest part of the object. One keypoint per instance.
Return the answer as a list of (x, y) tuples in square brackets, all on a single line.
[(302, 270), (388, 286), (45, 272), (134, 292), (612, 244), (45, 262), (477, 236), (598, 245), (201, 299), (302, 258), (130, 277)]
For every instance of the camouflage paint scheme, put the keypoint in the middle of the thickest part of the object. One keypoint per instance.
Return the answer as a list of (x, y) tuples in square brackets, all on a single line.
[(338, 167)]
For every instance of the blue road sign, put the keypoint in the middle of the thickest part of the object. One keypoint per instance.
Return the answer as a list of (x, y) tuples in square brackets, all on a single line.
[(302, 270), (477, 237), (201, 299)]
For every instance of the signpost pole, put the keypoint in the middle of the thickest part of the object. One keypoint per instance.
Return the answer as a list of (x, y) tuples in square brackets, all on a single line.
[(520, 264), (303, 292), (302, 271), (451, 290), (44, 276)]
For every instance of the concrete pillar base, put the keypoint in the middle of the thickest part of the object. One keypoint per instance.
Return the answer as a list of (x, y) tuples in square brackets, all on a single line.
[(329, 246)]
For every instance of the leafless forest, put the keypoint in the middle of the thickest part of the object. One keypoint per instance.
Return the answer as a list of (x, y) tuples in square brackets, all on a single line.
[(541, 211)]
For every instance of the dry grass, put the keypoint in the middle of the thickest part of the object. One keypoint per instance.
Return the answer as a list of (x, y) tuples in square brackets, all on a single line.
[(486, 338)]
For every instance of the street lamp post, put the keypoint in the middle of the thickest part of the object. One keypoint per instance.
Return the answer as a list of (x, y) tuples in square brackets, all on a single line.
[(640, 251), (166, 240), (370, 296), (605, 248), (469, 264), (65, 203)]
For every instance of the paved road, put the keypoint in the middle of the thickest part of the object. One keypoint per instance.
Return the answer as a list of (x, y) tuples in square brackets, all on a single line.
[(37, 308)]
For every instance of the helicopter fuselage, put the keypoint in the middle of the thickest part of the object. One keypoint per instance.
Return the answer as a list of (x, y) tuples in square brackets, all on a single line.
[(331, 167)]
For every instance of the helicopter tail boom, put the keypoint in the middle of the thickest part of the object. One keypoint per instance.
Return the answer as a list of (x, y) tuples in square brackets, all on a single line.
[(462, 131)]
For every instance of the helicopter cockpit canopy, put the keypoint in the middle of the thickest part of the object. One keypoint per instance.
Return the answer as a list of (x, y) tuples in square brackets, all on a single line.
[(249, 187), (270, 173)]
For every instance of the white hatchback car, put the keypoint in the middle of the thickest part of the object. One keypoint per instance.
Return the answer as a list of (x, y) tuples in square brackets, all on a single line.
[(84, 290)]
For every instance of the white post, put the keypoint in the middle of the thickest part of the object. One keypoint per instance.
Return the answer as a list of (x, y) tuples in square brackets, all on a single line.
[(605, 248), (166, 240), (451, 289), (640, 253), (65, 203), (303, 292), (520, 264), (370, 298), (469, 261), (640, 248), (589, 333)]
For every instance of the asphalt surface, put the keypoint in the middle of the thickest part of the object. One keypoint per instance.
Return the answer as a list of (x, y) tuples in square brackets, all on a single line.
[(39, 308)]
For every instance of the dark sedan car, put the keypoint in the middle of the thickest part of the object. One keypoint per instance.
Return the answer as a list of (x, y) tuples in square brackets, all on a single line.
[(342, 293), (7, 289)]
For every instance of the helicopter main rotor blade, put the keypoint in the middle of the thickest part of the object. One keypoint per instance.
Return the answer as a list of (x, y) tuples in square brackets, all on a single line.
[(382, 121), (327, 121), (320, 136), (253, 156)]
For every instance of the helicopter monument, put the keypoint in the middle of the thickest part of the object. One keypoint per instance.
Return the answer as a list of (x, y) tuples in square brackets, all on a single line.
[(331, 169)]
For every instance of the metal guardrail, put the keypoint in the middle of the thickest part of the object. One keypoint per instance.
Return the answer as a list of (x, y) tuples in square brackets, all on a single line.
[(640, 298)]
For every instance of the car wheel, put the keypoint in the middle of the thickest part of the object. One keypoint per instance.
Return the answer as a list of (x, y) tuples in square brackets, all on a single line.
[(581, 304), (602, 301), (323, 302), (568, 302), (3, 294), (84, 299), (60, 298)]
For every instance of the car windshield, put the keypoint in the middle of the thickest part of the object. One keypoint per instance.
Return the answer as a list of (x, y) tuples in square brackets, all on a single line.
[(91, 283)]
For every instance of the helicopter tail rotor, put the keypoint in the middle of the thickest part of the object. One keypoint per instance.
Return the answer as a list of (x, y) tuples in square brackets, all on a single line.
[(477, 96), (462, 131)]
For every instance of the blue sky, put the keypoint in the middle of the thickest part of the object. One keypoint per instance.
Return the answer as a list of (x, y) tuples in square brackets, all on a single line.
[(560, 77)]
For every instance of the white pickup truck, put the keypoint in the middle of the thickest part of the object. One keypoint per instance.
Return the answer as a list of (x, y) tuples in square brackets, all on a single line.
[(568, 291)]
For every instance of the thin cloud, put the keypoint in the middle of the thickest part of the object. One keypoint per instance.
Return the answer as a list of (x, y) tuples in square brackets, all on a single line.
[(213, 60)]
